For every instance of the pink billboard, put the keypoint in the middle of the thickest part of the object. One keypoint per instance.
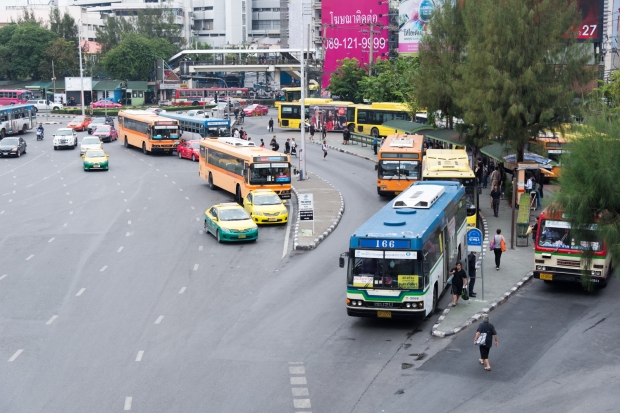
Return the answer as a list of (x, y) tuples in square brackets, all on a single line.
[(348, 32)]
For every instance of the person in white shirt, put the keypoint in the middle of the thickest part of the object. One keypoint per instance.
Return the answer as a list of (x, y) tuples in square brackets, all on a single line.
[(528, 185)]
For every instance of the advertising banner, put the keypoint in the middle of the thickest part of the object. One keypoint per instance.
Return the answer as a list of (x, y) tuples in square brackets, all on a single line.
[(413, 19), (348, 32), (592, 11)]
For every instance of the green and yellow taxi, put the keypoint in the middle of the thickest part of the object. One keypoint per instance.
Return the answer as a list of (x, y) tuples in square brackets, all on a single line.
[(95, 159), (229, 222), (265, 207)]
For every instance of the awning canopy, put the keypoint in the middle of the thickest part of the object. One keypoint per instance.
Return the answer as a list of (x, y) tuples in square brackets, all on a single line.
[(405, 126), (137, 85), (107, 85), (444, 135)]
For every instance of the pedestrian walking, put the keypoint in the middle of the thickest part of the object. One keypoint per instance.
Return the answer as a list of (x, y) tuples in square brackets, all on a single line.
[(471, 266), (498, 245), (293, 147), (495, 197), (271, 125), (485, 176), (312, 130), (323, 132), (287, 146), (262, 143), (375, 143), (324, 148), (484, 339), (502, 180), (459, 281), (495, 177)]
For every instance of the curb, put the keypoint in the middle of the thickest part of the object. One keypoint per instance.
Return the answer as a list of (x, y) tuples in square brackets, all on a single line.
[(491, 307), (329, 230), (345, 151)]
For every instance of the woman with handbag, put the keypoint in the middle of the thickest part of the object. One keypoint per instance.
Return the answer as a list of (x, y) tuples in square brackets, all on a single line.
[(498, 245), (484, 338)]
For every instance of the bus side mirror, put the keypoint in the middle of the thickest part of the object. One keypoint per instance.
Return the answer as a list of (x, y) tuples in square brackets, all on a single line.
[(341, 259), (376, 167)]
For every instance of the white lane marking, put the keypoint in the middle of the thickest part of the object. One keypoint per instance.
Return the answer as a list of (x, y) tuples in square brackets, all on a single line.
[(128, 400), (70, 202), (193, 208), (2, 212), (298, 380), (120, 249), (70, 212), (122, 192), (65, 224), (187, 198), (157, 169), (161, 317), (21, 165), (51, 239), (197, 219), (67, 193), (124, 199), (297, 370), (65, 185), (129, 222), (30, 256), (128, 234), (139, 356), (103, 268), (301, 403), (200, 248), (128, 210), (80, 292), (2, 278), (300, 391), (182, 290), (14, 191), (195, 267), (114, 176), (200, 231), (49, 176), (17, 353), (10, 200), (118, 183), (286, 237), (166, 176), (51, 320)]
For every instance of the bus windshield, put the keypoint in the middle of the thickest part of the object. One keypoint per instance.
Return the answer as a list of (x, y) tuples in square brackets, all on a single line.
[(558, 234), (379, 273), (399, 170), (262, 173), (165, 132)]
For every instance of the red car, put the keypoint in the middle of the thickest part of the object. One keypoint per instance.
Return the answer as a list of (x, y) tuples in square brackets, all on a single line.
[(106, 133), (105, 103), (189, 150), (256, 110), (79, 123)]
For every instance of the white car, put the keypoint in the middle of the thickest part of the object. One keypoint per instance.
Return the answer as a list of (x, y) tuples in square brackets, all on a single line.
[(65, 138), (156, 111), (41, 104), (90, 142)]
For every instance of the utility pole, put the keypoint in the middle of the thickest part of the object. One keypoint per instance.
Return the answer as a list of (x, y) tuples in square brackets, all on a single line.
[(371, 47), (54, 80), (306, 9), (81, 70)]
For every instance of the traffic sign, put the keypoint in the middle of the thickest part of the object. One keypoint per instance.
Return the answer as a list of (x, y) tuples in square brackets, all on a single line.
[(474, 240), (306, 202)]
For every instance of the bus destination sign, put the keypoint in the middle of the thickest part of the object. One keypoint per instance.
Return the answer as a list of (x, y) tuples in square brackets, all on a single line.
[(166, 122), (270, 159), (385, 244)]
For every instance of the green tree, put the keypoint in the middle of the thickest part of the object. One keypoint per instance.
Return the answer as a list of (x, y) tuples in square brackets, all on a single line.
[(6, 34), (134, 57), (441, 54), (522, 66), (63, 25), (25, 49), (344, 81), (65, 57), (391, 81)]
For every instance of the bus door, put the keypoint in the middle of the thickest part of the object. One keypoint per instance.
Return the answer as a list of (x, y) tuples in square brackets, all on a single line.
[(450, 247)]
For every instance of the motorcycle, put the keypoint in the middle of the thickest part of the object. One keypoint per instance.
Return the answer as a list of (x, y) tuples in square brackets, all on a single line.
[(39, 135)]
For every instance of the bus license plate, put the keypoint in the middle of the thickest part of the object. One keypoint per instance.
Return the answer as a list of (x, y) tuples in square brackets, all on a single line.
[(242, 236), (384, 314), (546, 276)]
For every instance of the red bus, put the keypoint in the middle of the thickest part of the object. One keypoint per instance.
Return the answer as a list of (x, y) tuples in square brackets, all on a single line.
[(197, 96), (558, 252), (14, 97)]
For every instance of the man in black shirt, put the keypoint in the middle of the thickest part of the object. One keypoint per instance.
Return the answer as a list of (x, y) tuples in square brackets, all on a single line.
[(471, 265), (496, 194), (459, 280)]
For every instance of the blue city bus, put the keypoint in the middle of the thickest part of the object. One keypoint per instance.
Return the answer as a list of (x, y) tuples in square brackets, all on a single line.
[(205, 127), (399, 260), (17, 119)]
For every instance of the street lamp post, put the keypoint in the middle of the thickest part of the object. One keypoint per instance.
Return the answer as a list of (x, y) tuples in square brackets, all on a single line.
[(81, 70)]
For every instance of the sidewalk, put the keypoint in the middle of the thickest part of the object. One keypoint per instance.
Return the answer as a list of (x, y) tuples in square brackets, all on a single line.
[(516, 262), (328, 209)]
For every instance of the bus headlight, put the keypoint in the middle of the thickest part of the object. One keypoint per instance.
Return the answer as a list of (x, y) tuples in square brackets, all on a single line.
[(541, 267), (408, 305), (596, 273)]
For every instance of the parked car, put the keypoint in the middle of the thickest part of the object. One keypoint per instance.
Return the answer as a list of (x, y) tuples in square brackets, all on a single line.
[(105, 103), (189, 150), (80, 123), (41, 104), (95, 159), (256, 110), (229, 222), (65, 138), (90, 142), (106, 133), (12, 147)]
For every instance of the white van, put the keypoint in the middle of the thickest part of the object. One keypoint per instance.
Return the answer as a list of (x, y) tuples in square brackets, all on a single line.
[(199, 113)]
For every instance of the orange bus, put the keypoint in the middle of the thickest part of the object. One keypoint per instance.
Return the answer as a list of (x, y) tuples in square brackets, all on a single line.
[(399, 163), (148, 131), (239, 166)]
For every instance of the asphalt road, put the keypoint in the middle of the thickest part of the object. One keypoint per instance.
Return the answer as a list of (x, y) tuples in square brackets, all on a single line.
[(154, 316)]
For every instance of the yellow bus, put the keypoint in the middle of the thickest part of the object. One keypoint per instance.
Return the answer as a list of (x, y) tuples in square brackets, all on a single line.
[(399, 163), (368, 119), (239, 166), (148, 131), (333, 115), (293, 94), (453, 165)]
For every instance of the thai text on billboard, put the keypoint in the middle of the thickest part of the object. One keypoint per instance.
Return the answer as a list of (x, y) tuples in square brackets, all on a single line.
[(413, 19), (348, 25)]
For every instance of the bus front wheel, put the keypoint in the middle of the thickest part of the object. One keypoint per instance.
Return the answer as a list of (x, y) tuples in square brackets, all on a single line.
[(374, 132), (435, 299)]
